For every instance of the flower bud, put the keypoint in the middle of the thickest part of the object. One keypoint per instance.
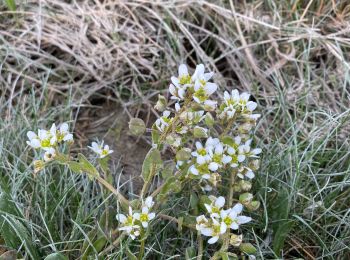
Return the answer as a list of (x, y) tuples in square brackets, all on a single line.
[(254, 205), (245, 198), (161, 103), (183, 154), (173, 140), (137, 126), (245, 185), (237, 188), (200, 132), (38, 165), (236, 240), (209, 120), (254, 165), (247, 248)]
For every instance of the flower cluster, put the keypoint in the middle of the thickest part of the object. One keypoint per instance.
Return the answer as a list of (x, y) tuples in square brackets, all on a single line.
[(220, 220), (133, 223), (216, 156), (197, 86), (48, 140)]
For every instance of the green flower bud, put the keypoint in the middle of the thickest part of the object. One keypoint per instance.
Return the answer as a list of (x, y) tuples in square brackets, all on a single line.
[(247, 248), (254, 205), (254, 165), (237, 188), (209, 120), (137, 126), (245, 198), (245, 185), (161, 103), (38, 165), (183, 154), (236, 240), (200, 132), (173, 140)]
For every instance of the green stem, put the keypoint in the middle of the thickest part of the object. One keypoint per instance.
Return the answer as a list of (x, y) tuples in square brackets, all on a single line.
[(142, 249), (200, 246)]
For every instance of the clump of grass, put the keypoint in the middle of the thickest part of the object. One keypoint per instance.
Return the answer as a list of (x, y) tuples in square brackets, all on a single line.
[(291, 55)]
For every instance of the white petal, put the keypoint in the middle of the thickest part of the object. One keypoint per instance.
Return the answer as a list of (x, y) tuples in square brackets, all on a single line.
[(121, 218), (210, 88), (226, 95), (199, 145), (68, 137), (193, 170), (250, 174), (223, 228), (256, 151), (64, 128), (172, 90), (31, 135), (251, 105), (237, 208), (213, 166), (213, 240), (208, 76), (198, 72), (145, 210), (207, 232), (241, 158), (200, 159), (243, 219), (151, 215), (136, 216), (220, 202), (177, 107), (149, 202), (35, 143), (175, 81), (145, 224), (244, 96), (226, 159), (183, 70), (234, 226)]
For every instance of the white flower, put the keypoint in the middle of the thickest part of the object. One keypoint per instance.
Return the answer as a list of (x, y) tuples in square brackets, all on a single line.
[(215, 207), (63, 133), (49, 154), (237, 101), (245, 171), (179, 84), (149, 202), (214, 230), (201, 154), (128, 224), (164, 121), (202, 88), (231, 217), (202, 222), (43, 140), (145, 216), (101, 150)]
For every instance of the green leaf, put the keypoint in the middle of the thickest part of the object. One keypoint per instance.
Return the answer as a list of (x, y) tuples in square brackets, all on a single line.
[(229, 141), (155, 134), (130, 255), (190, 253), (11, 4), (74, 167), (168, 170), (136, 126), (280, 207), (247, 248), (12, 230), (56, 256), (151, 164), (87, 167)]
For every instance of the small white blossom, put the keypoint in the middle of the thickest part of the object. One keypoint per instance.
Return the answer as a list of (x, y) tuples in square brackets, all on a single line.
[(232, 218), (215, 206), (49, 154), (179, 84), (128, 224), (214, 230), (163, 121), (100, 149)]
